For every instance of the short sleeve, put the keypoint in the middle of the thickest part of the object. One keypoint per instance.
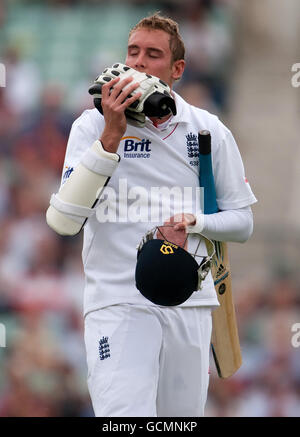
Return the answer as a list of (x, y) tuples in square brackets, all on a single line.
[(84, 131)]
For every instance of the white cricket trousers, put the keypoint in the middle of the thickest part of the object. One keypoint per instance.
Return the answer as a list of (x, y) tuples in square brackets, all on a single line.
[(148, 361)]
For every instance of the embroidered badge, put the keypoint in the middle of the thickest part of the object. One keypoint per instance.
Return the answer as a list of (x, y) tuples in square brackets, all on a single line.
[(192, 145), (104, 351)]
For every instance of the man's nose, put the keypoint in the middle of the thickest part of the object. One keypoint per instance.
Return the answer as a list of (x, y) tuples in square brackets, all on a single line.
[(140, 63)]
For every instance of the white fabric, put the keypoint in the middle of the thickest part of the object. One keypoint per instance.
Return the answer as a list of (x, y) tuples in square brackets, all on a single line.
[(151, 158), (70, 207), (232, 225), (80, 213), (162, 367), (98, 164)]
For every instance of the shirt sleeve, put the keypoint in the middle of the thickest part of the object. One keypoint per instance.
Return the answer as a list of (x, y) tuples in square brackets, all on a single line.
[(234, 225), (84, 131), (232, 187)]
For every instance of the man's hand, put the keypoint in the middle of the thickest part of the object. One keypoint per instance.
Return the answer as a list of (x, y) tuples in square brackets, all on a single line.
[(177, 234), (114, 102), (183, 220), (122, 93)]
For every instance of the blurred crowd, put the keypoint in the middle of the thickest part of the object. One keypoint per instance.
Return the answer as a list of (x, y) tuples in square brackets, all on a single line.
[(268, 383), (43, 368)]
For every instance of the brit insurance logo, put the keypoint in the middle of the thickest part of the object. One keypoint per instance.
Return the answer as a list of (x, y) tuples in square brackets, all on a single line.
[(135, 147), (192, 148)]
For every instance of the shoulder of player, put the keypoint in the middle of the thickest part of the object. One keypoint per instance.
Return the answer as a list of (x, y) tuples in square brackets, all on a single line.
[(89, 118), (211, 121), (84, 131), (203, 118)]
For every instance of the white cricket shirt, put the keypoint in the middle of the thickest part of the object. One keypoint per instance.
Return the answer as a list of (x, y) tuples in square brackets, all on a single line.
[(156, 177)]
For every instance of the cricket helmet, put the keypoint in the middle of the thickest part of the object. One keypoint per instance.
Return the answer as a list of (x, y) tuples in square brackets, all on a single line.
[(167, 274)]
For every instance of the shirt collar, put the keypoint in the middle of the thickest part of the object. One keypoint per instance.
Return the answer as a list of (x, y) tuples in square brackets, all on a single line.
[(182, 115)]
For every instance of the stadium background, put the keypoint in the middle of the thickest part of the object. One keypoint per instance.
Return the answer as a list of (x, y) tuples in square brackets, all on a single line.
[(239, 60)]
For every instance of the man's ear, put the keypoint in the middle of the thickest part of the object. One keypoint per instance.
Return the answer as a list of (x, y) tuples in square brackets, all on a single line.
[(178, 69)]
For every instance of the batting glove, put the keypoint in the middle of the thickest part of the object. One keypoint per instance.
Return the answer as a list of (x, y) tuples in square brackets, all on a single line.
[(156, 99)]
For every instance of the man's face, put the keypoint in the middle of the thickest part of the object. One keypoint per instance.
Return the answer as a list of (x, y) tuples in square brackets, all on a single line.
[(149, 52)]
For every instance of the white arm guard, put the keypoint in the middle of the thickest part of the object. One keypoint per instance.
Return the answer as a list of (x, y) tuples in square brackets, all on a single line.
[(73, 204)]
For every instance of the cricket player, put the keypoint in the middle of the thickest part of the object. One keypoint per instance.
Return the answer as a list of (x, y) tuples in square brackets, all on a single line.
[(145, 359)]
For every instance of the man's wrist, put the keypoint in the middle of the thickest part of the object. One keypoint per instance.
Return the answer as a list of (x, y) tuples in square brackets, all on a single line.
[(197, 228), (109, 145)]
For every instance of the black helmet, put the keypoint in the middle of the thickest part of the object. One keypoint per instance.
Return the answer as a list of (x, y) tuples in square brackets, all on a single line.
[(166, 274)]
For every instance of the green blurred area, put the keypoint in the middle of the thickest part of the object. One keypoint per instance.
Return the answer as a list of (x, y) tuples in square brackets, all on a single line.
[(64, 42)]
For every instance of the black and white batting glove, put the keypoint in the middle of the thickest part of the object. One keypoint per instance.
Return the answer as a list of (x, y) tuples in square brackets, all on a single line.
[(156, 99)]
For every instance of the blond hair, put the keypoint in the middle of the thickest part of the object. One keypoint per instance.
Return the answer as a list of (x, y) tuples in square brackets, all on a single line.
[(158, 22)]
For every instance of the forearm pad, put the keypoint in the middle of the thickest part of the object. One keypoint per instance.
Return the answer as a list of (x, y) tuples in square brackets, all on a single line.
[(73, 204)]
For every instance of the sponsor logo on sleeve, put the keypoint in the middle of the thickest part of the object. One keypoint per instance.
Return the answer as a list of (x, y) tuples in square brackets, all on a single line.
[(67, 173)]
